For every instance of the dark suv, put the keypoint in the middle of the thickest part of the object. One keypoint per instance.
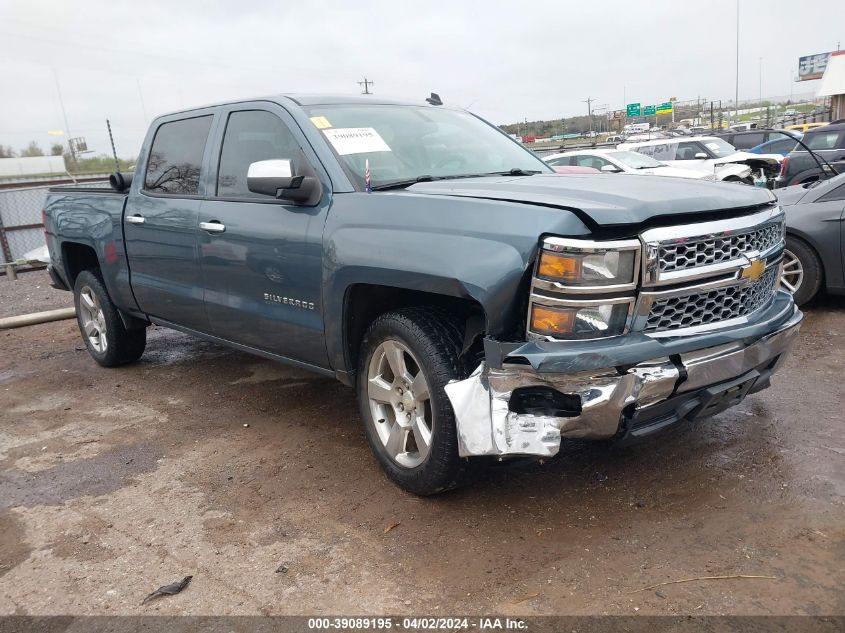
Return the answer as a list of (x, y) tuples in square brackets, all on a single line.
[(800, 167), (744, 141)]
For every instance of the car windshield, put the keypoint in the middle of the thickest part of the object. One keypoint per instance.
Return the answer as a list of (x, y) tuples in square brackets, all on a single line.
[(403, 143), (635, 160), (719, 147)]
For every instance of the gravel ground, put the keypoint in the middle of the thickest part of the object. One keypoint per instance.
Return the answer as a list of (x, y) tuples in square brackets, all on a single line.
[(31, 292), (256, 479)]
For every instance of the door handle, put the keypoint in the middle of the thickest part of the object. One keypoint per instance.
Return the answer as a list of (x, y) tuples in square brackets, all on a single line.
[(213, 227), (135, 219)]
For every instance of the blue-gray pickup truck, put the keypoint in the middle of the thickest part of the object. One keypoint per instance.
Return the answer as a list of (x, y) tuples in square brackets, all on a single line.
[(480, 304)]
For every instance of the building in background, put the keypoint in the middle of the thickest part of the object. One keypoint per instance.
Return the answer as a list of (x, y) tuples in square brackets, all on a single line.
[(833, 85), (31, 166)]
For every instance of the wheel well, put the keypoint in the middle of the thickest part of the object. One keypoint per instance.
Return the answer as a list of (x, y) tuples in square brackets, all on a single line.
[(78, 257), (365, 302)]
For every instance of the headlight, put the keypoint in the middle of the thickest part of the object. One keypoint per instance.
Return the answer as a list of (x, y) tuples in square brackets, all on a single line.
[(583, 264), (579, 321), (568, 272)]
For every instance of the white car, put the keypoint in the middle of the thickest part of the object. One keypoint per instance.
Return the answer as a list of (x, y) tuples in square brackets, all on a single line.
[(710, 153), (622, 161)]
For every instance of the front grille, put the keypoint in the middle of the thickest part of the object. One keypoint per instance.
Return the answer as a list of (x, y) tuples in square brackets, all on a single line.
[(715, 250), (710, 307)]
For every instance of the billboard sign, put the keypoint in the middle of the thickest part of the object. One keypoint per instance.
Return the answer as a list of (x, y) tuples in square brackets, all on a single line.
[(812, 66)]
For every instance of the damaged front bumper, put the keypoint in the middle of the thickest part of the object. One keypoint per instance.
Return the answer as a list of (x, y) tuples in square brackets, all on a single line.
[(516, 408)]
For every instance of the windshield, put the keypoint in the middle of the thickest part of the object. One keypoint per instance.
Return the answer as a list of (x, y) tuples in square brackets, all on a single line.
[(404, 142), (635, 160), (719, 147)]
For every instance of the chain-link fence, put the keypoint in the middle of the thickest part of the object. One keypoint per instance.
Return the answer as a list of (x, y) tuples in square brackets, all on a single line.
[(21, 223)]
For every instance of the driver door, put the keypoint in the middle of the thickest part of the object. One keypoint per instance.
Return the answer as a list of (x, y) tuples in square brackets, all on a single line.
[(262, 257)]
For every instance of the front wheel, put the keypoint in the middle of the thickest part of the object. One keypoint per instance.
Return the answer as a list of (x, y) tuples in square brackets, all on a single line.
[(406, 359), (107, 339)]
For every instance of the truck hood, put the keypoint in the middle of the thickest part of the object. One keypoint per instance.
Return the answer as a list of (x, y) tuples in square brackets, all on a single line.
[(606, 199)]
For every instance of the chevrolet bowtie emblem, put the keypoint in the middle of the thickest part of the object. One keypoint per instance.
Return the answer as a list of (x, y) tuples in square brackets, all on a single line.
[(753, 270)]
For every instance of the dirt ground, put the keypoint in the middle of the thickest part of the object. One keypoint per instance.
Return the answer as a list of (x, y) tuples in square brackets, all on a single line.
[(256, 479)]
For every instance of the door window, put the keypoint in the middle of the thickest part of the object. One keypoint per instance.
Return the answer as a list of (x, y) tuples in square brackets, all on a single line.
[(176, 157), (252, 136), (591, 161), (688, 150), (664, 152), (747, 141), (822, 140), (562, 161)]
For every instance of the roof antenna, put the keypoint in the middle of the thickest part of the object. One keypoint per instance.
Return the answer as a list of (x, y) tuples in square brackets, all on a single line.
[(434, 99)]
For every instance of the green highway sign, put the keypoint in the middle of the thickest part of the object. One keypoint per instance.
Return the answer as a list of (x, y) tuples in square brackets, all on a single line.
[(649, 110), (632, 109), (665, 108)]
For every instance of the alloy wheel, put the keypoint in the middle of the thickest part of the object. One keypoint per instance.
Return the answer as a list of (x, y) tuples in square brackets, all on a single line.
[(400, 403), (93, 320), (792, 273)]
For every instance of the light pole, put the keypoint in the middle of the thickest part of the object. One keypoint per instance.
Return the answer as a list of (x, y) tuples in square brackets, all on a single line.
[(761, 86), (736, 93)]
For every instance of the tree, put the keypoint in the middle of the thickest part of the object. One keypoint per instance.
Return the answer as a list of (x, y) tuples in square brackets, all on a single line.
[(6, 151), (57, 149), (33, 149)]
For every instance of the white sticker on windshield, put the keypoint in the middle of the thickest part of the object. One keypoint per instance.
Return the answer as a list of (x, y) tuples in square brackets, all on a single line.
[(356, 140), (713, 146)]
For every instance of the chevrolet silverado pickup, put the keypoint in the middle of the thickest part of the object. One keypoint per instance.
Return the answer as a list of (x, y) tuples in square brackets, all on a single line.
[(480, 304)]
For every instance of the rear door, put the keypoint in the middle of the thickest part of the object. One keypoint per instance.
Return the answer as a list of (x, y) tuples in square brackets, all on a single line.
[(262, 257), (160, 222)]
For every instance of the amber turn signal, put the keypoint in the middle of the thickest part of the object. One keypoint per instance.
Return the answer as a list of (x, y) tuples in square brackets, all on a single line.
[(559, 267), (549, 322)]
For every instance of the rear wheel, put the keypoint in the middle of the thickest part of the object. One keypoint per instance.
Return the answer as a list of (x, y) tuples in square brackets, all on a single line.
[(802, 271), (107, 339), (406, 359)]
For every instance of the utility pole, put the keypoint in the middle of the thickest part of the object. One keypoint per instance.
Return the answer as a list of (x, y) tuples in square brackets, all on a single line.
[(366, 86), (113, 150), (589, 102), (761, 86)]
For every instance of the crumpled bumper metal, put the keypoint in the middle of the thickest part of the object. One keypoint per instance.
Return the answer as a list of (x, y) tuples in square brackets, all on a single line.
[(486, 425)]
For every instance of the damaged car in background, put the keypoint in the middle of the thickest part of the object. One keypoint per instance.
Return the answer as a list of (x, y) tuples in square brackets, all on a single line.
[(479, 303), (713, 154)]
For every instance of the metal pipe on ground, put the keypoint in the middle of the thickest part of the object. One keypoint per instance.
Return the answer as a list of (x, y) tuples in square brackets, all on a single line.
[(37, 317)]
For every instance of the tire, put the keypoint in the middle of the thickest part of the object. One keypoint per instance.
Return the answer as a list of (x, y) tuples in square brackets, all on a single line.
[(428, 341), (802, 270), (107, 339)]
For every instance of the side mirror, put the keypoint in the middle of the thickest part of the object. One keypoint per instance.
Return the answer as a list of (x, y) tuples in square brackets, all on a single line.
[(610, 169), (702, 155), (277, 178)]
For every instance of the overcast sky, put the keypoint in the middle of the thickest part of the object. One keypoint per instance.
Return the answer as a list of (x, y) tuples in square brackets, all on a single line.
[(128, 61)]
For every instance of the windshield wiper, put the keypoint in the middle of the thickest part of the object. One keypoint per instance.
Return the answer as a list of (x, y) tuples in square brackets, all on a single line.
[(516, 171), (401, 184)]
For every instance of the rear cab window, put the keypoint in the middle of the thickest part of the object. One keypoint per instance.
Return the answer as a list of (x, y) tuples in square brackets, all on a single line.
[(175, 159)]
